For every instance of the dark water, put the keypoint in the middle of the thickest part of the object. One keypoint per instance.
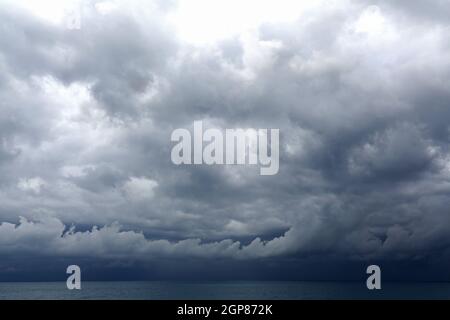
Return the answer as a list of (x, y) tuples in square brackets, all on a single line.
[(223, 290)]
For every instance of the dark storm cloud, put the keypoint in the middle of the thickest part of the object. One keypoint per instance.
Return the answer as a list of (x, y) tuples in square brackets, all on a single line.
[(358, 92)]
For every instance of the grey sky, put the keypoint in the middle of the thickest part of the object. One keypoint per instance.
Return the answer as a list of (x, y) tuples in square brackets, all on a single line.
[(358, 89)]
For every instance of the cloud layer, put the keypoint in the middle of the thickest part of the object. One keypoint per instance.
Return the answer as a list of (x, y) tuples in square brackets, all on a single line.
[(358, 89)]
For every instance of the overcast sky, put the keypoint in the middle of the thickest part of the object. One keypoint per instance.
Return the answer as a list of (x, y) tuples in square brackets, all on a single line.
[(359, 90)]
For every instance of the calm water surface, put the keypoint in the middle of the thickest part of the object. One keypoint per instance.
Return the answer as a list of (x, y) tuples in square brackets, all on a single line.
[(223, 290)]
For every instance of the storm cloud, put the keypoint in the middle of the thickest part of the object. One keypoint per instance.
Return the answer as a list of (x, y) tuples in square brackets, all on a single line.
[(358, 89)]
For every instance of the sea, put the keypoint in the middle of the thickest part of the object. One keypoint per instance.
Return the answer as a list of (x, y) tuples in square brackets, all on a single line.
[(228, 290)]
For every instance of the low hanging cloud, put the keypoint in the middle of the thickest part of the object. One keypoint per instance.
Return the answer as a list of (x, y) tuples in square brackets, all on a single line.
[(112, 242)]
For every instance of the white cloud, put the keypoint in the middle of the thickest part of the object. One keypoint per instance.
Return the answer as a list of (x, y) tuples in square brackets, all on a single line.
[(32, 184), (108, 242), (140, 189), (76, 171), (106, 7), (206, 21)]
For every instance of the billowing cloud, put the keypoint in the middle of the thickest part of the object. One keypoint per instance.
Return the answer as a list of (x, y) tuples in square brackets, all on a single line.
[(358, 89)]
